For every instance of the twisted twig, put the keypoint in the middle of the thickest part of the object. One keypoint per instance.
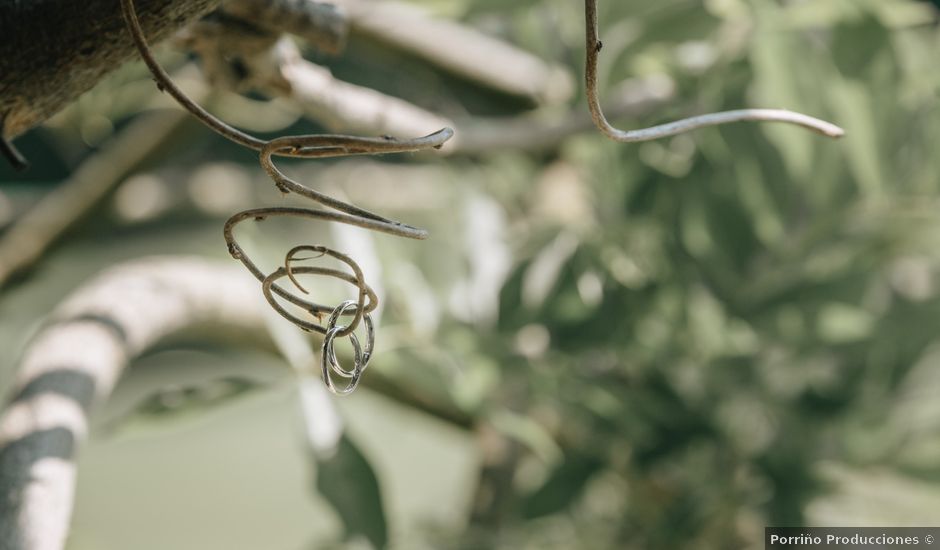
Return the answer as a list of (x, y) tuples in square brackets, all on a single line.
[(593, 47), (305, 146)]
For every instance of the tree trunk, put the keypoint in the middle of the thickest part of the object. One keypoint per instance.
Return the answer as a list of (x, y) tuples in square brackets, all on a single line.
[(52, 51)]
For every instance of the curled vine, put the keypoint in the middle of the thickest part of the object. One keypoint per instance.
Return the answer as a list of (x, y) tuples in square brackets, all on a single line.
[(306, 146)]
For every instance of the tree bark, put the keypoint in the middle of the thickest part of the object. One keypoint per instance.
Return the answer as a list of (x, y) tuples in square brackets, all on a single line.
[(52, 51)]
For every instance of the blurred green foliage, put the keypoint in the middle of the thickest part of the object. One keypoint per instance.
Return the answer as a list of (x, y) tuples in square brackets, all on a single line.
[(725, 311), (676, 343)]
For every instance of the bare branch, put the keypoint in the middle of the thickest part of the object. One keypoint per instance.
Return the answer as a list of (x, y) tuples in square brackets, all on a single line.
[(350, 108), (462, 50), (320, 24), (276, 68)]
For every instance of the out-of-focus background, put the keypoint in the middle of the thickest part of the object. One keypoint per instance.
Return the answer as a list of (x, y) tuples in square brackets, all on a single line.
[(661, 345)]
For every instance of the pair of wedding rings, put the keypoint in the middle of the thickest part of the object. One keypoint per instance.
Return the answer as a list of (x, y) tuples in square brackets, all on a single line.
[(328, 361)]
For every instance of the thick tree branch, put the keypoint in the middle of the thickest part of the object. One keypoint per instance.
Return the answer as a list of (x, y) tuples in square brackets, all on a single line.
[(460, 49), (274, 66), (75, 360), (321, 25), (54, 50)]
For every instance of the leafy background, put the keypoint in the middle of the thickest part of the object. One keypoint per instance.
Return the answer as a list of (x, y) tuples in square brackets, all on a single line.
[(670, 344)]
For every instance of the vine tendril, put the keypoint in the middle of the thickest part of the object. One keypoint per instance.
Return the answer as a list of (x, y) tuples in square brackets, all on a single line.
[(307, 147), (593, 47)]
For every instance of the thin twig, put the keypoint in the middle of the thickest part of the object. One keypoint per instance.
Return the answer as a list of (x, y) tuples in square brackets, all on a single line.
[(540, 131), (592, 49), (166, 84)]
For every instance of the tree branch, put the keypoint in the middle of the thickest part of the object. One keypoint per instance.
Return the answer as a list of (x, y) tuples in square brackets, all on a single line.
[(77, 357), (460, 49), (75, 361), (54, 50), (320, 24), (274, 66)]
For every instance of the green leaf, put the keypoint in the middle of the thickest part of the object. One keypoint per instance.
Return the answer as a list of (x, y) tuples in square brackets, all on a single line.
[(348, 482), (563, 486)]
